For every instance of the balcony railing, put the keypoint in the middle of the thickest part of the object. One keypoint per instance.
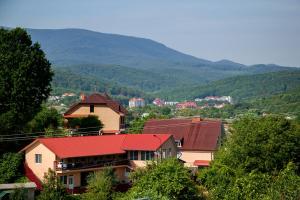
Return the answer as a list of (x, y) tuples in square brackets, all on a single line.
[(59, 166)]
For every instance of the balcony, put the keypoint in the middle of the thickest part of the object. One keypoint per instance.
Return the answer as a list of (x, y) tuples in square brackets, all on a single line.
[(59, 166)]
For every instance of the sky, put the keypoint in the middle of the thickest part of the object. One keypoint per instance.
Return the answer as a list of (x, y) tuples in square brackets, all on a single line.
[(248, 32)]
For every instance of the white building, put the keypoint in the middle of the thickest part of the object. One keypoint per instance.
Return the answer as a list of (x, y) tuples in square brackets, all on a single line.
[(136, 102)]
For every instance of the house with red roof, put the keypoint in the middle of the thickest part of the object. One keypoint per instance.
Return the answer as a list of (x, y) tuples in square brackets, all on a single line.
[(197, 139), (109, 112), (186, 104), (74, 158)]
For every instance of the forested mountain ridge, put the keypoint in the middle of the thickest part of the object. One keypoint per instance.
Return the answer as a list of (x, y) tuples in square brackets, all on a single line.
[(134, 62), (64, 80), (242, 87)]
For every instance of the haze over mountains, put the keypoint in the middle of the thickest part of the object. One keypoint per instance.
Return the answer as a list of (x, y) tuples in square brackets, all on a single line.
[(134, 62)]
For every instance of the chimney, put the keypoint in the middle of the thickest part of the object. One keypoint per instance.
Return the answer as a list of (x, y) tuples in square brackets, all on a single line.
[(196, 119), (82, 97)]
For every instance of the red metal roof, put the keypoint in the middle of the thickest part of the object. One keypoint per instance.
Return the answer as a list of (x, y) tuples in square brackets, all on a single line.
[(194, 135), (68, 147), (143, 142), (97, 98), (201, 163)]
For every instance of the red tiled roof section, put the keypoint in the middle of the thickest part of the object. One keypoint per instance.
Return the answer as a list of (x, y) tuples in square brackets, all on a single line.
[(81, 146), (144, 142), (68, 147), (199, 135), (97, 98)]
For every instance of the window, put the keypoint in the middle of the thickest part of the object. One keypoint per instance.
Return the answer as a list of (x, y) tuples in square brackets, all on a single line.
[(38, 158), (164, 152), (63, 180), (170, 152), (178, 143), (91, 108), (133, 155), (147, 155)]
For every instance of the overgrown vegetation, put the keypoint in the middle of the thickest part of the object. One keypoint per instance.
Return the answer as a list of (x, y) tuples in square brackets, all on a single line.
[(101, 185), (10, 167), (259, 160), (53, 188), (87, 124), (168, 179)]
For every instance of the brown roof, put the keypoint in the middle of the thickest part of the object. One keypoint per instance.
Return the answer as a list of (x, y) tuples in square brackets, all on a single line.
[(194, 135), (97, 98)]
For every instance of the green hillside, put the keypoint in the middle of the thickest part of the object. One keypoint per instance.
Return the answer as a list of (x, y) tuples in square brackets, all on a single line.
[(241, 87), (287, 102), (134, 62), (64, 80)]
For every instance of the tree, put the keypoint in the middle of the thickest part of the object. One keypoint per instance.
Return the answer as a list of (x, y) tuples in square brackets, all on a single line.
[(52, 188), (251, 163), (168, 179), (46, 118), (100, 185), (10, 165), (25, 77), (90, 123)]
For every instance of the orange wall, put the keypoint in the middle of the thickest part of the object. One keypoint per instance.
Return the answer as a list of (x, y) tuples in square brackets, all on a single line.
[(190, 156), (109, 118), (48, 158)]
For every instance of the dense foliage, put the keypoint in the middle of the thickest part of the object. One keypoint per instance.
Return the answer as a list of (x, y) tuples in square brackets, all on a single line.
[(25, 77), (53, 188), (168, 179), (259, 160), (100, 185), (90, 123), (47, 118), (66, 80), (10, 167), (241, 87)]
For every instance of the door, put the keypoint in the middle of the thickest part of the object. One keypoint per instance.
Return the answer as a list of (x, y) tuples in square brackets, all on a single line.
[(71, 182)]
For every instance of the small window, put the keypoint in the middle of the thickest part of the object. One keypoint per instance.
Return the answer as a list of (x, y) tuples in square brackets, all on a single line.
[(63, 180), (91, 108), (38, 158), (178, 143), (147, 155), (133, 155)]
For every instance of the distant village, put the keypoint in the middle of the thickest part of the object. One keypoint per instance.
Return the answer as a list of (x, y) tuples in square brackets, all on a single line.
[(198, 103)]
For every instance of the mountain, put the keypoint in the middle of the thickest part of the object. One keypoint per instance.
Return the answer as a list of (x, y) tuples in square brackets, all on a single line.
[(241, 87), (78, 46), (134, 62)]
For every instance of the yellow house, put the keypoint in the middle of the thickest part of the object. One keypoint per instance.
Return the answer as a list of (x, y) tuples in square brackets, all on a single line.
[(109, 112), (74, 158)]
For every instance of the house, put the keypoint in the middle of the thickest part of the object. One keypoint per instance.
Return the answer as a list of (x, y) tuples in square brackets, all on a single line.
[(187, 104), (158, 102), (74, 158), (109, 112), (136, 102), (197, 139)]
